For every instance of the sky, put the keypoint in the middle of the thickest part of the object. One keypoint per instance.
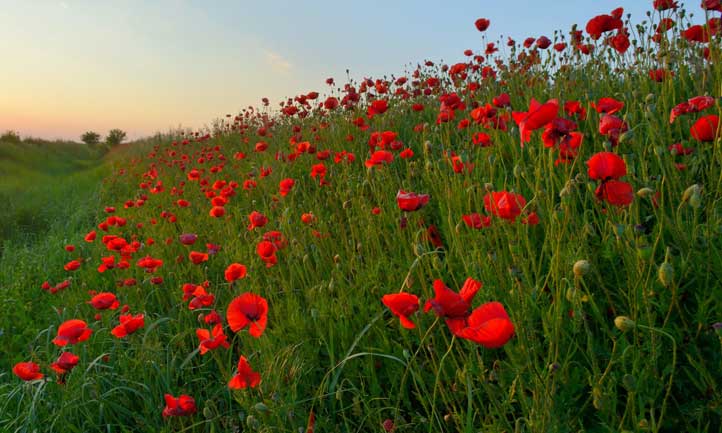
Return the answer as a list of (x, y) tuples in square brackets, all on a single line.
[(146, 66)]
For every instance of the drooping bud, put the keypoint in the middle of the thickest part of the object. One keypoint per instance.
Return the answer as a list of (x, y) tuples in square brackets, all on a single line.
[(624, 323), (581, 268)]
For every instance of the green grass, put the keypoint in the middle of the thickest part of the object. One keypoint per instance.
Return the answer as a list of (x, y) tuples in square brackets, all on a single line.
[(331, 348)]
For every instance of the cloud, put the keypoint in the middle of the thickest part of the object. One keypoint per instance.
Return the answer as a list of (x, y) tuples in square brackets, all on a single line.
[(64, 5), (277, 62)]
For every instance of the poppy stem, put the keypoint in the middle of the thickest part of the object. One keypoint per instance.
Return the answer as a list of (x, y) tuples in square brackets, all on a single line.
[(658, 423), (438, 376)]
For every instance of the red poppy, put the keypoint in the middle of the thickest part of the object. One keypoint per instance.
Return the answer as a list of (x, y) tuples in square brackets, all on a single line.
[(248, 311), (210, 341), (615, 192), (27, 371), (128, 325), (72, 265), (285, 186), (537, 116), (308, 218), (65, 362), (504, 204), (482, 24), (235, 271), (450, 304), (601, 24), (266, 250), (608, 105), (90, 237), (705, 128), (245, 376), (476, 220), (184, 405), (488, 325), (606, 165), (72, 332), (256, 219), (217, 211), (411, 201), (197, 257), (663, 5), (104, 301), (402, 305)]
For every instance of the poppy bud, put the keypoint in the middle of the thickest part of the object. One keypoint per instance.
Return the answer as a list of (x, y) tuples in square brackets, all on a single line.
[(347, 204), (629, 382), (626, 137), (336, 258), (666, 274), (419, 250), (207, 412), (261, 407), (427, 146), (517, 170), (581, 268), (252, 422), (644, 252), (489, 187), (571, 294), (649, 98), (624, 323), (645, 192), (694, 189)]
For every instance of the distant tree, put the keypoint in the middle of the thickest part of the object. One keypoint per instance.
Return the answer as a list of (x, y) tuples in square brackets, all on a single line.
[(10, 136), (115, 137), (91, 138)]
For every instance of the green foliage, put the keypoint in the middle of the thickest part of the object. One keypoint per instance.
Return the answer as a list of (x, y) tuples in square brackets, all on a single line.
[(115, 137), (91, 138)]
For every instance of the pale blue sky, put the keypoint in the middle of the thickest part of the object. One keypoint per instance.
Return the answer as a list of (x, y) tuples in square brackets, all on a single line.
[(73, 65)]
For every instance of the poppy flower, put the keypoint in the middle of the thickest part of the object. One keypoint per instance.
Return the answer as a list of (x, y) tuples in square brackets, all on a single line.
[(267, 252), (476, 220), (256, 219), (210, 340), (197, 257), (488, 325), (308, 218), (128, 325), (90, 237), (104, 301), (27, 371), (72, 332), (608, 105), (450, 304), (411, 201), (72, 265), (537, 116), (183, 405), (482, 24), (248, 311), (601, 24), (188, 238), (705, 128), (606, 165), (504, 204), (245, 376), (615, 192), (235, 271), (65, 362), (217, 211), (200, 298), (402, 305), (663, 5), (285, 186)]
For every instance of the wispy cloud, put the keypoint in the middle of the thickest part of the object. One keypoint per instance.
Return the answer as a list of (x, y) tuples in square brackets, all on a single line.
[(277, 62)]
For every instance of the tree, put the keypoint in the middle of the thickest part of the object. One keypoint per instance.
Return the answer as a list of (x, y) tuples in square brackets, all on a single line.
[(91, 138), (115, 137)]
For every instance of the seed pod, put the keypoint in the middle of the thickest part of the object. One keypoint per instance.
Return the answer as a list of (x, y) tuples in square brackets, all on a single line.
[(581, 268), (645, 192)]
